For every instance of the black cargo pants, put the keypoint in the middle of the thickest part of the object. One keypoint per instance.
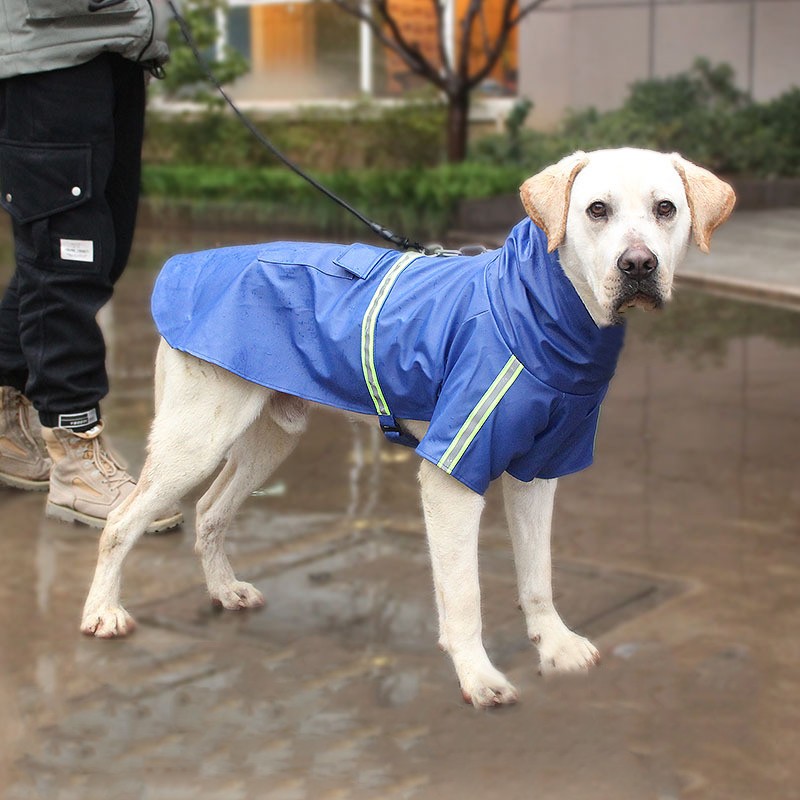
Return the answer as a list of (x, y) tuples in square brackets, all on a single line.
[(70, 163)]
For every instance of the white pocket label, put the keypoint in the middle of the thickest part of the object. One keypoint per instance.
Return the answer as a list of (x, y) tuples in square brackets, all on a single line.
[(77, 250)]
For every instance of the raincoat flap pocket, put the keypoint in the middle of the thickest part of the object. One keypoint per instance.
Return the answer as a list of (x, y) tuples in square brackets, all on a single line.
[(359, 259), (353, 261)]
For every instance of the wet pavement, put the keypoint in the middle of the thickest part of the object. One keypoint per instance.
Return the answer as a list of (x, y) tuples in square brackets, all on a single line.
[(755, 255), (678, 553)]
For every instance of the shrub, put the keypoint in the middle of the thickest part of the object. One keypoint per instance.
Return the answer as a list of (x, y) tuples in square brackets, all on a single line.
[(366, 136), (699, 113), (690, 113), (765, 138), (519, 146)]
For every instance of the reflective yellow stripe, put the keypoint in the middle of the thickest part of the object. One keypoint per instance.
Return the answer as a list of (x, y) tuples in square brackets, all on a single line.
[(368, 331), (478, 416)]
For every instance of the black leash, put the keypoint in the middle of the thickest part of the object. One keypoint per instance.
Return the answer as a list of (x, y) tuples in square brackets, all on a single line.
[(384, 233)]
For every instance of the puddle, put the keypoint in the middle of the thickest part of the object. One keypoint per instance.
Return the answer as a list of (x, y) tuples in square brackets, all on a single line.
[(374, 592), (677, 553)]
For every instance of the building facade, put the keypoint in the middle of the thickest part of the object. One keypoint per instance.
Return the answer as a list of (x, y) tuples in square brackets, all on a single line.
[(580, 53), (566, 54), (312, 50)]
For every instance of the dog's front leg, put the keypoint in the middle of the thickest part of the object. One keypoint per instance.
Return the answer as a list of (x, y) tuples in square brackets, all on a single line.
[(452, 517), (529, 509)]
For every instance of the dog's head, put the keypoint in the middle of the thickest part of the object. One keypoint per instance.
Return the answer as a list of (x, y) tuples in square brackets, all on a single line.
[(621, 220)]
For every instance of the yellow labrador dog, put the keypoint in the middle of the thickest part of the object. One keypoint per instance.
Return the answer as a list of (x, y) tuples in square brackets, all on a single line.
[(490, 366)]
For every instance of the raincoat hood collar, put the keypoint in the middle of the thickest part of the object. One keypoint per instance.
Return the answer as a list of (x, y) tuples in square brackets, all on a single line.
[(542, 319)]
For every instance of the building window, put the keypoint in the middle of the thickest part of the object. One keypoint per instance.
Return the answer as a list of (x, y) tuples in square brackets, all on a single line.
[(311, 49)]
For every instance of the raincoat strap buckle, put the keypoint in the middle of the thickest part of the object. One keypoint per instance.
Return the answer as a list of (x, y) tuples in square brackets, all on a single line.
[(394, 433)]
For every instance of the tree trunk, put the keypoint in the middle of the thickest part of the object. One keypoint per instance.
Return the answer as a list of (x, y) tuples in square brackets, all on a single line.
[(457, 126)]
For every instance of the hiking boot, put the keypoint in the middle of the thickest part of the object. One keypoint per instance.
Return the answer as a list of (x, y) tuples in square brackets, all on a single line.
[(87, 480), (23, 458)]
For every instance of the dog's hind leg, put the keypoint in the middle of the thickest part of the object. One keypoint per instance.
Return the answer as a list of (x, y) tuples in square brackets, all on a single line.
[(187, 441), (452, 517), (529, 509), (252, 459)]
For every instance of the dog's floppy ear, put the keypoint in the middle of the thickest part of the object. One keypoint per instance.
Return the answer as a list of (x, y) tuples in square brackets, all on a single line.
[(710, 199), (546, 196)]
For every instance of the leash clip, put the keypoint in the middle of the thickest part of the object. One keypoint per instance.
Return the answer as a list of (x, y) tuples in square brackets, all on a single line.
[(440, 251), (466, 250)]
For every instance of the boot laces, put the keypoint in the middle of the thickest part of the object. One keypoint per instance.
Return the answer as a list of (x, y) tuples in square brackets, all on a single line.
[(104, 459)]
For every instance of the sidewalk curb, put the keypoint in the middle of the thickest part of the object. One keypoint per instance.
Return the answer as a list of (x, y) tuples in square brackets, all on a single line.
[(741, 289)]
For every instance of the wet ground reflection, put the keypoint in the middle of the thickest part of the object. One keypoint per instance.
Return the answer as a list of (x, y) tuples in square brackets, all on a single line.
[(678, 553)]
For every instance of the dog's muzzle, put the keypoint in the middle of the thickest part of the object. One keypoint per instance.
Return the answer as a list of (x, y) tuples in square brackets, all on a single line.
[(638, 281)]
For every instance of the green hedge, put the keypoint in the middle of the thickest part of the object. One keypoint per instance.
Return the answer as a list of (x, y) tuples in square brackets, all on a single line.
[(424, 201), (363, 137)]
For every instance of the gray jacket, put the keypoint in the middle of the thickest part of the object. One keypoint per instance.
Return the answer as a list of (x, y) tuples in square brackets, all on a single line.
[(41, 35)]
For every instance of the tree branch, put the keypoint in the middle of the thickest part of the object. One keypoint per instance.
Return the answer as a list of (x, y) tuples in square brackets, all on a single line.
[(466, 36), (452, 78), (494, 53), (409, 53)]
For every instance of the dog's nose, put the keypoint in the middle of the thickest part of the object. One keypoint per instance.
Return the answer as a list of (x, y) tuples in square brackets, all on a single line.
[(637, 262)]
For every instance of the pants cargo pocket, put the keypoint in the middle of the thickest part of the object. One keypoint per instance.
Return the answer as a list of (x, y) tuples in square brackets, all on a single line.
[(39, 182)]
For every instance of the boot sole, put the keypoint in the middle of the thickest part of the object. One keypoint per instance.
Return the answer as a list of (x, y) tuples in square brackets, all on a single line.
[(26, 484), (65, 514)]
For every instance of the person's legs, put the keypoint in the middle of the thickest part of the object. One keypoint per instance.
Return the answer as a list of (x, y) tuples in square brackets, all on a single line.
[(122, 189), (66, 184), (13, 368), (70, 148)]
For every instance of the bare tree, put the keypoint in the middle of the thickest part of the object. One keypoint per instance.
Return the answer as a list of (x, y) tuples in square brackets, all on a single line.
[(454, 76)]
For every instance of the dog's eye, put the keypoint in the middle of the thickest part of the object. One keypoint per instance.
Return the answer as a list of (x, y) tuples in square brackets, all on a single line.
[(597, 210), (665, 209)]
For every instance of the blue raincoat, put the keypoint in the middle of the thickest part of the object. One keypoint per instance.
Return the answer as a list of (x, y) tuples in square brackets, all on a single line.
[(497, 351)]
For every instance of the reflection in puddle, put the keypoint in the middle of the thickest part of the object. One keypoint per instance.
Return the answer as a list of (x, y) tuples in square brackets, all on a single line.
[(704, 326)]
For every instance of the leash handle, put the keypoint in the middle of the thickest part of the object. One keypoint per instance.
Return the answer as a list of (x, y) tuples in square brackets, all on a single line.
[(384, 233)]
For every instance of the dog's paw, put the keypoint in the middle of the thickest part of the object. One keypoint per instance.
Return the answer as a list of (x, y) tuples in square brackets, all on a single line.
[(566, 652), (488, 690), (107, 623), (238, 595)]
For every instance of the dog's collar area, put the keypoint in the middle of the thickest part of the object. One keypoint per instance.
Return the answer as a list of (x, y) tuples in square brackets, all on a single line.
[(391, 429), (466, 250)]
